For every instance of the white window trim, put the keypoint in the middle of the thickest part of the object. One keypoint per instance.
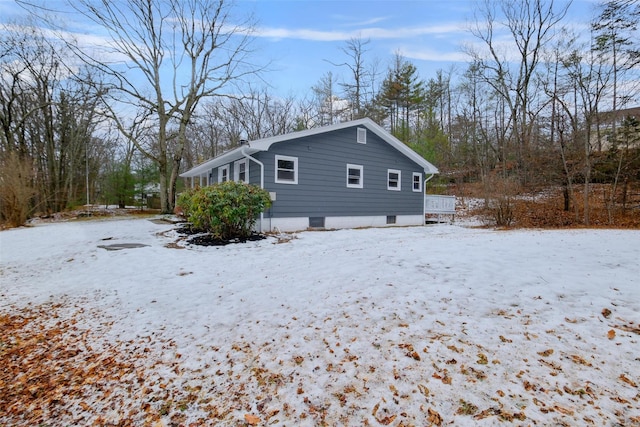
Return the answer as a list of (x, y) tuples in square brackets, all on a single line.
[(223, 168), (236, 170), (361, 169), (361, 137), (295, 170), (399, 187), (419, 175)]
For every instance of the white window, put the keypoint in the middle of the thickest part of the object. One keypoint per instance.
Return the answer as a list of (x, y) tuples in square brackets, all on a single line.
[(362, 136), (393, 179), (223, 173), (286, 170), (241, 170), (417, 182), (354, 176)]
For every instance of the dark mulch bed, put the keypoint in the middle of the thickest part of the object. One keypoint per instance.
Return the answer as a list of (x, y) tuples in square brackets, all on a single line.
[(206, 239)]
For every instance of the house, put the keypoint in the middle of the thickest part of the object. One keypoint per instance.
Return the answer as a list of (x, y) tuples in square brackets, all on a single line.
[(347, 175), (626, 123)]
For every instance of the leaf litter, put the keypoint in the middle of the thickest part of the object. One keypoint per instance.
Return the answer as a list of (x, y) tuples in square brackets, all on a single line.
[(336, 328)]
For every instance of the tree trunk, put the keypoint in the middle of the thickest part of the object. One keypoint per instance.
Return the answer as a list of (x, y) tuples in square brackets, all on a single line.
[(587, 180)]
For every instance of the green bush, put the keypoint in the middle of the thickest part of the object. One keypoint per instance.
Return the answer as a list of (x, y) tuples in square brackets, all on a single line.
[(226, 210), (183, 204)]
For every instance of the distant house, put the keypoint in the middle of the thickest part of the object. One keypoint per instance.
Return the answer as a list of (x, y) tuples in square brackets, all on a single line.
[(602, 140), (352, 174)]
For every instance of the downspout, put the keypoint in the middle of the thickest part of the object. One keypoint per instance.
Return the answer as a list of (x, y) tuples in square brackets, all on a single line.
[(424, 197), (248, 157), (429, 179)]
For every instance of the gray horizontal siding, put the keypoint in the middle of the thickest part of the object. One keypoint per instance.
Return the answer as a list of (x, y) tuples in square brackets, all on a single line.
[(321, 188), (254, 172)]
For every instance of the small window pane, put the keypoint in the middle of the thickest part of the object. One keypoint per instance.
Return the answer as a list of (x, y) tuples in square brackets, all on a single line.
[(242, 172), (286, 172), (354, 176), (417, 182), (393, 179), (285, 164), (223, 173), (286, 175)]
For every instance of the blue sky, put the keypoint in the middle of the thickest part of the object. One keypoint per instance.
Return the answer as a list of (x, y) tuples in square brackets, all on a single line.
[(301, 35), (298, 37)]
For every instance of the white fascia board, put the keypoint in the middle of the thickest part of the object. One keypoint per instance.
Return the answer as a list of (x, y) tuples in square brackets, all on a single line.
[(223, 159)]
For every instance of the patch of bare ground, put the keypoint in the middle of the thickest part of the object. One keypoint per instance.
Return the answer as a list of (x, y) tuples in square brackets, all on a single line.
[(92, 212)]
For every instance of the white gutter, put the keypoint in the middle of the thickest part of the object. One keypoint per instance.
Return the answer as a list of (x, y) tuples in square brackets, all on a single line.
[(424, 196), (429, 179), (248, 157)]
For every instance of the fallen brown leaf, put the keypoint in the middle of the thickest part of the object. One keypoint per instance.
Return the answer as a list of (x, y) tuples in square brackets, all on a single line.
[(629, 381), (386, 420), (563, 410), (434, 417), (579, 360), (251, 419)]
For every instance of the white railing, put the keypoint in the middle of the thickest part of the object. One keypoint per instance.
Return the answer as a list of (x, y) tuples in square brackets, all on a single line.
[(439, 205)]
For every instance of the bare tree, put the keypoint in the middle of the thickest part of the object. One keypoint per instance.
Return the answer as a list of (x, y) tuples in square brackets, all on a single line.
[(47, 117), (356, 87), (530, 25), (330, 107), (564, 121), (172, 55), (588, 79), (306, 114), (261, 115), (221, 124)]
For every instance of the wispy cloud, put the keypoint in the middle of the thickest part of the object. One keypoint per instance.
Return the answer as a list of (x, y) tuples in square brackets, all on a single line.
[(427, 54), (302, 34), (370, 32)]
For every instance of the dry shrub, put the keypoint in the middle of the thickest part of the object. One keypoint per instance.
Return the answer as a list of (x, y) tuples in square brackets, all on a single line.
[(500, 196), (16, 189)]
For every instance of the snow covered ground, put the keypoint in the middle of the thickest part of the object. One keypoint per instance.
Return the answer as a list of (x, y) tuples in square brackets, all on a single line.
[(436, 325)]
